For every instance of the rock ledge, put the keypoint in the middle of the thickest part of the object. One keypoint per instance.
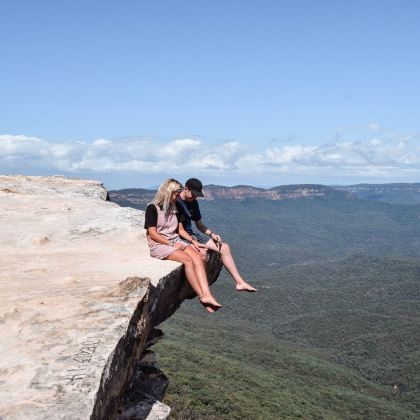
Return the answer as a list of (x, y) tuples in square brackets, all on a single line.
[(80, 297)]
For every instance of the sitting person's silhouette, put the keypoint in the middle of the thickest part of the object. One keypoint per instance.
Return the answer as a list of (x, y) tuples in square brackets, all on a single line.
[(163, 237)]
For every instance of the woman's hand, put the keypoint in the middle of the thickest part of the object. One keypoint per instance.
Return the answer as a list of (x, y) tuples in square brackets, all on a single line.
[(196, 244), (180, 245)]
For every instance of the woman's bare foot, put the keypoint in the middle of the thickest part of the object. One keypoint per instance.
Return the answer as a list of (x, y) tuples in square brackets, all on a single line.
[(245, 287), (209, 308), (210, 302)]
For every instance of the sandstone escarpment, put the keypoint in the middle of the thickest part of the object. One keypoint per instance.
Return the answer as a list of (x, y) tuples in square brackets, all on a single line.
[(140, 197), (80, 297), (283, 192)]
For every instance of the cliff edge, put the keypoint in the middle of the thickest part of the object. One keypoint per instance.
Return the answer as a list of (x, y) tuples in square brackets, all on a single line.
[(80, 297)]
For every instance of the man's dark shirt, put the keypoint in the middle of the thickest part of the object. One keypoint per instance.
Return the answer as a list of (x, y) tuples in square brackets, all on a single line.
[(190, 211)]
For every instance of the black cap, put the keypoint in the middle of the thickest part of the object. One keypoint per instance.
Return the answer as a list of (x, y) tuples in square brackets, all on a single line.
[(195, 186)]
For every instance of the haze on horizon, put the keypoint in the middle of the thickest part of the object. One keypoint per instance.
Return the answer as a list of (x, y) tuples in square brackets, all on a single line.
[(258, 93)]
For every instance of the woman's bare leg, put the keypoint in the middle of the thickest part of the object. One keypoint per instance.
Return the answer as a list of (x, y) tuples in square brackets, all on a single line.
[(229, 263), (207, 297), (191, 275), (184, 258)]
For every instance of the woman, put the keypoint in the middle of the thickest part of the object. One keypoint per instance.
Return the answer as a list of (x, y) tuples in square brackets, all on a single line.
[(163, 237)]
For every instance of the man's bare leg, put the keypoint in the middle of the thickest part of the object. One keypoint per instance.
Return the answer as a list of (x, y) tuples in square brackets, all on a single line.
[(229, 263)]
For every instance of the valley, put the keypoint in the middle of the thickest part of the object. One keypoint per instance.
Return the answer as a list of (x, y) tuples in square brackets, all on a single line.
[(333, 331)]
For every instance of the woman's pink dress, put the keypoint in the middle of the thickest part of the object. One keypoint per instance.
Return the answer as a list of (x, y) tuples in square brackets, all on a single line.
[(167, 227)]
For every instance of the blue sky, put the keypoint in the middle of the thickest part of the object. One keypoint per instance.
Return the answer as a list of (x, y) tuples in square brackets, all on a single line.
[(256, 92)]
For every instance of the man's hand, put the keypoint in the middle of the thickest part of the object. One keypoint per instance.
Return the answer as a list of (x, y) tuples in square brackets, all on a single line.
[(216, 237)]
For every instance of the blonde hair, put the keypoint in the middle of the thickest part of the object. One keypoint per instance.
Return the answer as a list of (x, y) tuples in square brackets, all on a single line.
[(163, 195)]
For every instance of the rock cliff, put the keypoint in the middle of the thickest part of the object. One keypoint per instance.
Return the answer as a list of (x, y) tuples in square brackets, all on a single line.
[(397, 193), (283, 192), (137, 197), (80, 300)]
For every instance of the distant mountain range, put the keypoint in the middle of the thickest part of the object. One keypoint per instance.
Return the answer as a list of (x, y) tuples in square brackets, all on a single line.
[(392, 193)]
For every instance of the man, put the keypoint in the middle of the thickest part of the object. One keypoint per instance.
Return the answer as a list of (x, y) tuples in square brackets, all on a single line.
[(188, 207)]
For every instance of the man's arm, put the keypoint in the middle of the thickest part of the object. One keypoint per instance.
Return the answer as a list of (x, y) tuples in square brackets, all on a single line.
[(203, 228)]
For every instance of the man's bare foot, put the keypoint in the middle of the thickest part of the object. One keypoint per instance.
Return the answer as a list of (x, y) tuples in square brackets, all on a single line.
[(245, 287)]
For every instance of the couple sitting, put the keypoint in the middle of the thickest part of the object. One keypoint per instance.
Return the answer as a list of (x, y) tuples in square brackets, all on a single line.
[(171, 236)]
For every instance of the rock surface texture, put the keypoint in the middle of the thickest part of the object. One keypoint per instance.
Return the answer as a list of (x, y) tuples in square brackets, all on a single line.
[(80, 297)]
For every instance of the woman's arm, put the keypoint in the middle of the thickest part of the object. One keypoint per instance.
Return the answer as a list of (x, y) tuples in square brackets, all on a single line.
[(152, 232), (162, 240), (184, 234)]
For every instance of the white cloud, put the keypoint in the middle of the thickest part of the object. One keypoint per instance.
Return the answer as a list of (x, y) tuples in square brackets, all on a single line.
[(101, 142), (375, 128), (382, 154)]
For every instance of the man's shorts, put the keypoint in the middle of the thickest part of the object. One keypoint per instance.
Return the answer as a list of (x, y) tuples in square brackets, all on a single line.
[(201, 237)]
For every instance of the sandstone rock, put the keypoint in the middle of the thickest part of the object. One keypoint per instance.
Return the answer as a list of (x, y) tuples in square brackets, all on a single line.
[(53, 185), (79, 296)]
